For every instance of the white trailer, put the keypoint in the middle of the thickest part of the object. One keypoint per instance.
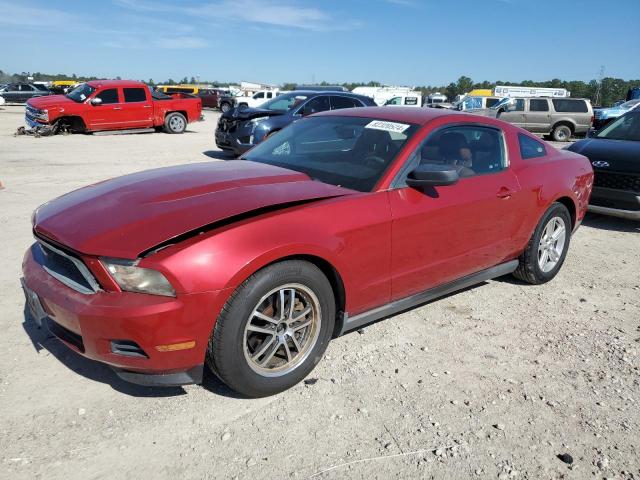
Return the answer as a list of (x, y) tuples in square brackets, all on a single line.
[(381, 95)]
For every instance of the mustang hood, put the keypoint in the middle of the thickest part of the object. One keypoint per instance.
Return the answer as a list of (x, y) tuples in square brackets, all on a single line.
[(128, 215), (249, 113)]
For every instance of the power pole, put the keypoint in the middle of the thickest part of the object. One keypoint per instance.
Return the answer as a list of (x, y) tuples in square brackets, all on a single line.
[(599, 89)]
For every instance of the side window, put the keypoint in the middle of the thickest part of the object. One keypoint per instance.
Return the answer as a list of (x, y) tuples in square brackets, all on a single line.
[(26, 88), (411, 100), (538, 105), (519, 105), (530, 148), (315, 105), (108, 96), (472, 150), (269, 94), (343, 102), (132, 95), (258, 95), (570, 105), (394, 101), (492, 101)]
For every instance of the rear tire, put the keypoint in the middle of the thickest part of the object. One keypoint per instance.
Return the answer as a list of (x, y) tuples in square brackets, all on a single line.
[(175, 123), (263, 342), (561, 133), (225, 107), (547, 248)]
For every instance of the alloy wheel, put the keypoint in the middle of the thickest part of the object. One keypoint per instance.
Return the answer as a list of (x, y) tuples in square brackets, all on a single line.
[(552, 243), (282, 330)]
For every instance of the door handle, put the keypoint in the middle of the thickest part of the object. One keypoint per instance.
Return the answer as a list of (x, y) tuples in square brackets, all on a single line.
[(504, 192), (117, 108), (146, 106)]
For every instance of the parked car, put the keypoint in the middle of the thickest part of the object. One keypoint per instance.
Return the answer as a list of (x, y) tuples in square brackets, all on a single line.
[(473, 103), (257, 98), (114, 105), (21, 92), (603, 116), (341, 219), (408, 100), (211, 96), (241, 128), (561, 118), (2, 101), (227, 102), (614, 153)]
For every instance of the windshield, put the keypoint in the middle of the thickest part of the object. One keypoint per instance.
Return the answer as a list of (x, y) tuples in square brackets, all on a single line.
[(81, 92), (283, 103), (350, 152), (626, 127)]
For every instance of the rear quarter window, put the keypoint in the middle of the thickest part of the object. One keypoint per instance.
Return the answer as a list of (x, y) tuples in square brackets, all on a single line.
[(135, 95), (530, 147), (569, 105)]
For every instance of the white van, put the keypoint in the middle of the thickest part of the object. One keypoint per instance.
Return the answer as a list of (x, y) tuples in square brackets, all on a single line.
[(413, 99)]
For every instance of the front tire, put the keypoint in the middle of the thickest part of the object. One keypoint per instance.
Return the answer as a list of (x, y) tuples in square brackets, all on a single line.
[(225, 107), (175, 123), (273, 330), (547, 248)]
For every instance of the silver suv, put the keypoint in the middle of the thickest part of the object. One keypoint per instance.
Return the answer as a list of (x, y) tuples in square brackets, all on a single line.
[(559, 117)]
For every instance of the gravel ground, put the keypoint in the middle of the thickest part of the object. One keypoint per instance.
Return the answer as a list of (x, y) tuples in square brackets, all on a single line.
[(494, 382)]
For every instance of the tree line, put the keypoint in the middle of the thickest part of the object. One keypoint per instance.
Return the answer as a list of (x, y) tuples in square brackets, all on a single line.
[(605, 92)]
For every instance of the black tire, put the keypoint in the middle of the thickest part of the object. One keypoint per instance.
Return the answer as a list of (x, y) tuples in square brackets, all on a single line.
[(225, 107), (226, 354), (175, 123), (561, 133), (529, 269)]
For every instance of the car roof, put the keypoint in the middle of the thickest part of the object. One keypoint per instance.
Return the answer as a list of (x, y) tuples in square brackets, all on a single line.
[(114, 83), (418, 116)]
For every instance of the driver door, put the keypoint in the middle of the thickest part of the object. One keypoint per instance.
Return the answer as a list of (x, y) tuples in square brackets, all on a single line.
[(108, 114), (440, 234)]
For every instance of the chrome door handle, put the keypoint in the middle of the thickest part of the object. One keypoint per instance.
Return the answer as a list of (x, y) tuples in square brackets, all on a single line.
[(117, 108), (146, 106)]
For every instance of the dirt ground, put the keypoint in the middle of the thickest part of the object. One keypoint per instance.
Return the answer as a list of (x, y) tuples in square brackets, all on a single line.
[(493, 382)]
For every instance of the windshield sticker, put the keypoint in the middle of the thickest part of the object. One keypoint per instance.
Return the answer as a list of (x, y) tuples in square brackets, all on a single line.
[(387, 126)]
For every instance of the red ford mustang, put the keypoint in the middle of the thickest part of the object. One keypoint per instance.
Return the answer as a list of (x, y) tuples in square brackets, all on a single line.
[(341, 219)]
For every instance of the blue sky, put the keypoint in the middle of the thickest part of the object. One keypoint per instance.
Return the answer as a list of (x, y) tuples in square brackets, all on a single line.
[(411, 42)]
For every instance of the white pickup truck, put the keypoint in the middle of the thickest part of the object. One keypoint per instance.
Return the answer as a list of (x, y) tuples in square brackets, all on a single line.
[(257, 98)]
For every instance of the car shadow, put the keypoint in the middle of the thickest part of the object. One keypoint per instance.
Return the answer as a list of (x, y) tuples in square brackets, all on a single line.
[(219, 154), (42, 339), (615, 224)]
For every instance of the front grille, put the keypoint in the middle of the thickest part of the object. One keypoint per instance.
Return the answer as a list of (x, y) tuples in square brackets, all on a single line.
[(65, 334), (226, 125), (617, 181), (65, 267), (31, 112)]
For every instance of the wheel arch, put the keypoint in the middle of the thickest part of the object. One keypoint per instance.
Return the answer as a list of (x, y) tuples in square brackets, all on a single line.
[(571, 206), (566, 122), (76, 122), (181, 112), (326, 266)]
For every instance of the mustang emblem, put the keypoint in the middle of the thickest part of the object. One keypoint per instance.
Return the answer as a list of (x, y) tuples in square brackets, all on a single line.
[(600, 164)]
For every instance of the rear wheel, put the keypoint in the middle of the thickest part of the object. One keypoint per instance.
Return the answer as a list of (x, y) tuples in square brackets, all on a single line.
[(175, 123), (547, 248), (225, 107), (273, 329), (561, 133)]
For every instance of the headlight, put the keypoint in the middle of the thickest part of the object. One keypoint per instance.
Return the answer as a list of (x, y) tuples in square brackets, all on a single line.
[(258, 120), (42, 115), (132, 278)]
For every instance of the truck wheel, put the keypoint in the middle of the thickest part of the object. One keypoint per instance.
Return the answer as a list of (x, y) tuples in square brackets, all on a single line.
[(175, 123), (547, 248), (274, 329), (561, 133), (225, 107)]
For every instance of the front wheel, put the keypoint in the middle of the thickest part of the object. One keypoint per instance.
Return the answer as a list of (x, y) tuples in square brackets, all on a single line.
[(225, 107), (547, 248), (175, 123), (273, 329)]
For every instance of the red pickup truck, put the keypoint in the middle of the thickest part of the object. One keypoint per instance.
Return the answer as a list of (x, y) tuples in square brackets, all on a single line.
[(114, 105)]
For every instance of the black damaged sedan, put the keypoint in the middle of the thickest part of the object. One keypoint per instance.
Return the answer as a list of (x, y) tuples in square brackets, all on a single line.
[(242, 128), (614, 153)]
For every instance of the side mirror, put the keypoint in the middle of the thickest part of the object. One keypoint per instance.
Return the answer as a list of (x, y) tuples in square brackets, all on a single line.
[(432, 175), (96, 101)]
